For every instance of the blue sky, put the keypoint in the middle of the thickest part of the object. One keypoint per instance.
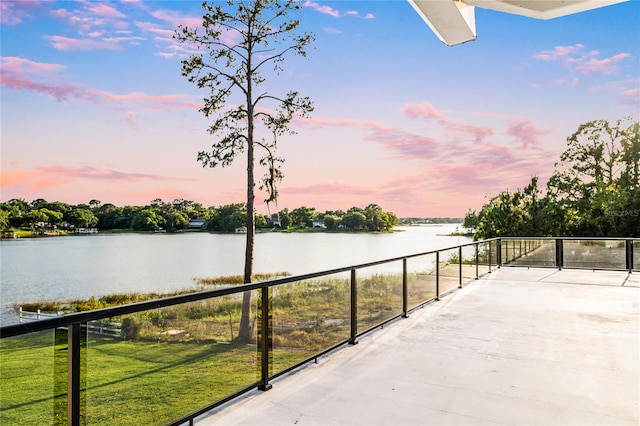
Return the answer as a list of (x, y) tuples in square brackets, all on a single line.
[(94, 106)]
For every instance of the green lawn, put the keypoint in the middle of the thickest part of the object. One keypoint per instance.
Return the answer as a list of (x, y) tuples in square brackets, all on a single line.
[(178, 359)]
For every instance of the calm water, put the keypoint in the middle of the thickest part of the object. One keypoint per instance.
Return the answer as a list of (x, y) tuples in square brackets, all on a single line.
[(95, 265)]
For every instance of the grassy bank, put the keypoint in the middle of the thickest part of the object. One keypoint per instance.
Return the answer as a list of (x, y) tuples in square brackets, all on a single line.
[(171, 361)]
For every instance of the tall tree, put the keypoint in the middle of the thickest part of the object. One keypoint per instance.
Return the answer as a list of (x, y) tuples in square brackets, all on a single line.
[(596, 179), (236, 44)]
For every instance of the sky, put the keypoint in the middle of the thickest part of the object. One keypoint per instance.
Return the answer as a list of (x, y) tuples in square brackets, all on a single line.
[(94, 106)]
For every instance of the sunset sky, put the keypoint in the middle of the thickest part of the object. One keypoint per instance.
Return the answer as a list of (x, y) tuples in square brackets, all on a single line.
[(94, 106)]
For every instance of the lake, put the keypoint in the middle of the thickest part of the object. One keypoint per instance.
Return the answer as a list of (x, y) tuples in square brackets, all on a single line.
[(82, 266)]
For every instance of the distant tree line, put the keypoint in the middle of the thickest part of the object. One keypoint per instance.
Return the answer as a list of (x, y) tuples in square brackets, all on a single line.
[(594, 191), (180, 215)]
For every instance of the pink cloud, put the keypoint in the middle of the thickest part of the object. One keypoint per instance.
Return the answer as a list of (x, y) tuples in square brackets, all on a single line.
[(332, 122), (525, 132), (327, 189), (325, 10), (630, 96), (602, 66), (406, 145), (559, 53), (59, 92), (105, 10), (16, 65), (93, 173), (19, 74), (328, 10), (574, 58), (425, 110), (75, 44), (176, 19), (15, 12), (156, 29), (478, 133), (76, 184)]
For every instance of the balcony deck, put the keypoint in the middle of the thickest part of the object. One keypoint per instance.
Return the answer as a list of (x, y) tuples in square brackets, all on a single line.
[(518, 346)]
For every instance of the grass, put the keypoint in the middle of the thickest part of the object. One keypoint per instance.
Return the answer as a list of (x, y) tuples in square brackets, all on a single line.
[(175, 360)]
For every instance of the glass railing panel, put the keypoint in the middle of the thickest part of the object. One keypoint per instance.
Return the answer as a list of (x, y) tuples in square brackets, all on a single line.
[(308, 317), (156, 366), (493, 252), (379, 294), (449, 270), (512, 250), (483, 259), (468, 263), (421, 280), (534, 252), (33, 379), (596, 254), (636, 254)]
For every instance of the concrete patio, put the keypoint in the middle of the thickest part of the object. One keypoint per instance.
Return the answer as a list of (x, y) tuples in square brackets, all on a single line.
[(519, 346)]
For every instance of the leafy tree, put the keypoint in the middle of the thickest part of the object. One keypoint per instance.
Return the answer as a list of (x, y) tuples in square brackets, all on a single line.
[(228, 217), (285, 218), (238, 43), (58, 206), (331, 221), (36, 216), (4, 219), (147, 220), (379, 220), (594, 191), (82, 218), (596, 182), (52, 217), (471, 219), (108, 215), (355, 220), (261, 220), (303, 216)]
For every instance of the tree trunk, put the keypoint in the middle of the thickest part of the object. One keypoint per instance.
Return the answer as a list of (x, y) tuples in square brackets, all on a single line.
[(245, 333)]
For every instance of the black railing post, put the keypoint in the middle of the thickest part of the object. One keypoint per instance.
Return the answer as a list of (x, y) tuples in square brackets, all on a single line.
[(498, 252), (629, 252), (265, 331), (460, 266), (437, 275), (490, 254), (477, 258), (405, 290), (354, 309), (559, 254), (73, 372)]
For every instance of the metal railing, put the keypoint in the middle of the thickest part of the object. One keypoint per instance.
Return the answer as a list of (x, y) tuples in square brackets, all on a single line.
[(179, 357), (571, 252)]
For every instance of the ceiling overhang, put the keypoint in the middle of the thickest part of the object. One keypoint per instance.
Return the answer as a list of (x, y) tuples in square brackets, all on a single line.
[(454, 22)]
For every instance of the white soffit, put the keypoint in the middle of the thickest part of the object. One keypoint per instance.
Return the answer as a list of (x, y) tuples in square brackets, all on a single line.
[(453, 21)]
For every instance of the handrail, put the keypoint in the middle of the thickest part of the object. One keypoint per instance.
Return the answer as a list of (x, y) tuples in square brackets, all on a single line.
[(97, 314), (503, 255)]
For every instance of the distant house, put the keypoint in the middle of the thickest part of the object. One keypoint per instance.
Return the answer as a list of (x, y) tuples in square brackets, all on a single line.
[(319, 224), (197, 223), (274, 220), (87, 230)]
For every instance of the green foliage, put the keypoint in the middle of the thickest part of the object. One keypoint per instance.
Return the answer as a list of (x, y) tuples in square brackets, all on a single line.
[(303, 216), (174, 216), (595, 190)]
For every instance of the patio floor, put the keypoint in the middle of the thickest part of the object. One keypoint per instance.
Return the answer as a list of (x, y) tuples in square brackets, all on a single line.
[(518, 346)]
